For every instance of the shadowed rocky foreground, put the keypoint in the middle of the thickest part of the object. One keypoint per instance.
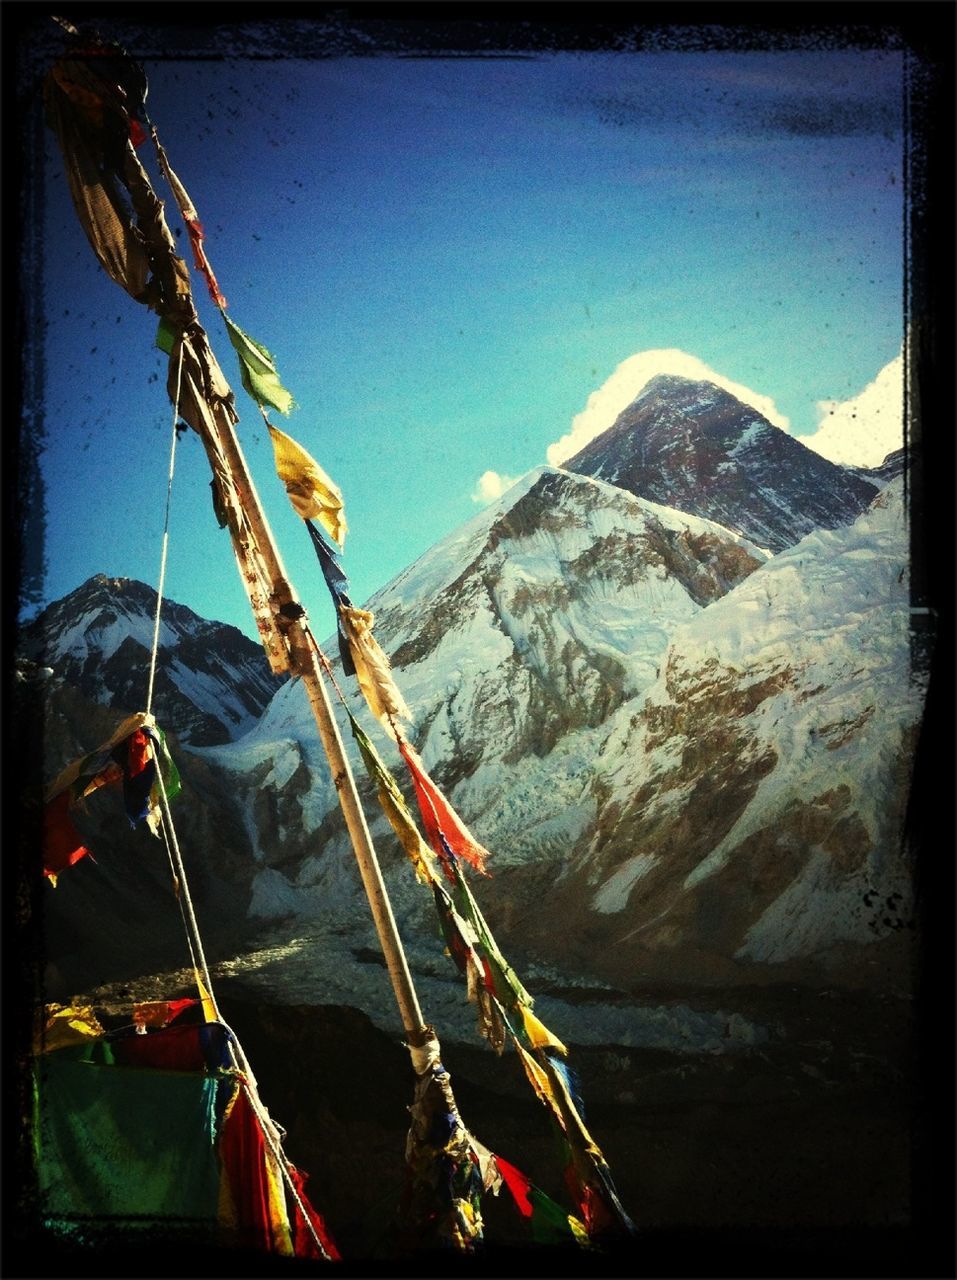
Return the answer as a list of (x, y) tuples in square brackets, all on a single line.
[(802, 1156)]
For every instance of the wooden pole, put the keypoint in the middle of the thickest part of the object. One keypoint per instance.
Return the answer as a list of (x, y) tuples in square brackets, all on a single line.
[(305, 664)]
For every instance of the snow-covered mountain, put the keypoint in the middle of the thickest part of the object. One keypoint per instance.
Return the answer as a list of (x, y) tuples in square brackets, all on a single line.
[(688, 759), (513, 641), (753, 800), (689, 762), (694, 446), (211, 683)]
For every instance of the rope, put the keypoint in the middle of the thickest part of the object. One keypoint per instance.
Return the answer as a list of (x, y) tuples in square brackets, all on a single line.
[(192, 928), (236, 1051), (165, 552)]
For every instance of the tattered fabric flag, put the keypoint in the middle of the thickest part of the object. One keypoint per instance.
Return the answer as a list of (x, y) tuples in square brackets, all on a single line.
[(338, 585), (259, 374), (313, 495), (549, 1222), (89, 128), (443, 826), (159, 1013), (539, 1036), (193, 225), (62, 843), (252, 1203), (539, 1081), (394, 806), (372, 667), (442, 1195), (304, 1243), (65, 1024)]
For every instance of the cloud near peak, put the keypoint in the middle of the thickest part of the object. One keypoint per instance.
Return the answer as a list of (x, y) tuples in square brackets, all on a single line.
[(618, 392), (862, 431), (491, 485)]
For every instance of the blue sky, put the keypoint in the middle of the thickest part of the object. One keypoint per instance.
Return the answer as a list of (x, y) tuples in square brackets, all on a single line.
[(447, 257)]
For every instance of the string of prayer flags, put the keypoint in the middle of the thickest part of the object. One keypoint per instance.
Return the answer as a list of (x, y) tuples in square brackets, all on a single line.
[(194, 228), (494, 988), (257, 369), (446, 832), (373, 671), (312, 494)]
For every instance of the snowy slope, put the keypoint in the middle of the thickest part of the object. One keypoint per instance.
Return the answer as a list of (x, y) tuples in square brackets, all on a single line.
[(513, 641), (753, 798)]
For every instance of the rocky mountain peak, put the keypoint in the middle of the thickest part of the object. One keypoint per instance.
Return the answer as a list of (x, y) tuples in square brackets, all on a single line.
[(695, 447), (212, 682)]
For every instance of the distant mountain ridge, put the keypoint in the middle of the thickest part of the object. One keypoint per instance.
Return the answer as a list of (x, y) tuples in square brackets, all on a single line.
[(211, 683), (695, 447)]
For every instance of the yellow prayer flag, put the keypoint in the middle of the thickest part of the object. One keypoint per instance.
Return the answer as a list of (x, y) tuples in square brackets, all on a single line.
[(67, 1024), (206, 1000), (372, 666), (313, 495), (538, 1034)]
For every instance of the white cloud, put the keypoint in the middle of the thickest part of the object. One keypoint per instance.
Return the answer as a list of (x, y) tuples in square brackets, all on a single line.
[(862, 431), (491, 485), (605, 404)]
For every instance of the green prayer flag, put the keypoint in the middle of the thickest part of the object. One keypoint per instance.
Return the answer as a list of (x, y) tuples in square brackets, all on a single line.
[(259, 374), (165, 336), (171, 778)]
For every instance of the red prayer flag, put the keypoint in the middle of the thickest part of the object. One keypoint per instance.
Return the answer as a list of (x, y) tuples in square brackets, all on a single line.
[(303, 1241), (443, 826), (194, 229), (62, 843), (242, 1150), (518, 1184), (141, 752)]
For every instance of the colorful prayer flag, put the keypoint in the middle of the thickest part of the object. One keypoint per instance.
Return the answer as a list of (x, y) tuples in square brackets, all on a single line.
[(62, 844), (443, 826), (394, 806), (258, 372), (338, 585), (372, 667), (312, 494), (194, 227)]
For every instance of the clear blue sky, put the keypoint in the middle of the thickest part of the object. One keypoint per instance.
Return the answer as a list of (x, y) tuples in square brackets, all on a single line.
[(446, 257)]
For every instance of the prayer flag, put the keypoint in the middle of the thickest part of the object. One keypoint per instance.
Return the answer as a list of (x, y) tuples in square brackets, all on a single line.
[(372, 667), (193, 226), (62, 843), (303, 1242), (338, 585), (313, 495), (258, 372), (444, 828), (67, 1024), (539, 1036), (394, 806), (158, 1013)]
